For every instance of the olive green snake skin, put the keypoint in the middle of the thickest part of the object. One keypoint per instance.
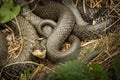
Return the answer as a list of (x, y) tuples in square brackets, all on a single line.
[(64, 28)]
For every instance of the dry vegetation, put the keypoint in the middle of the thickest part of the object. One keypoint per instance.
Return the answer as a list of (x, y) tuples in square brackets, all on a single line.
[(102, 51)]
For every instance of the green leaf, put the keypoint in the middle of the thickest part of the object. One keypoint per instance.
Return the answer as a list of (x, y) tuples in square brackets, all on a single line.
[(116, 67), (27, 72), (25, 75), (8, 11), (72, 70), (96, 71), (99, 73)]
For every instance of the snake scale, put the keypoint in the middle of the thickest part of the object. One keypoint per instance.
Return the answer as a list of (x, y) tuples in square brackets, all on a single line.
[(87, 32), (3, 47), (84, 31), (60, 34), (30, 41), (64, 28)]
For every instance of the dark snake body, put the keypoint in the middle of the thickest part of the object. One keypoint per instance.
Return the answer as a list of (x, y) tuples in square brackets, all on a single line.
[(3, 47), (60, 34), (12, 69), (52, 10)]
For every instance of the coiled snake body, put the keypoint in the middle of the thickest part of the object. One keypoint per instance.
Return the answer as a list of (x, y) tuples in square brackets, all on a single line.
[(83, 31), (13, 68), (60, 34), (64, 28)]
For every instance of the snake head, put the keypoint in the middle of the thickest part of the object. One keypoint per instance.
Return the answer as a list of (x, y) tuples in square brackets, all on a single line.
[(104, 14)]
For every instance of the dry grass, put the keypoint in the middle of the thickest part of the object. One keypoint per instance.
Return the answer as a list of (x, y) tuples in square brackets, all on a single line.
[(105, 49)]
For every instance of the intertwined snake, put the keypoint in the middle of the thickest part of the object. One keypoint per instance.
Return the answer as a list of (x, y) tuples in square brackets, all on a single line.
[(64, 26), (64, 30)]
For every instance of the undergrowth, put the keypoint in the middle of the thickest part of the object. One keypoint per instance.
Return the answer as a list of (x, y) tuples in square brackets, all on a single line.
[(75, 70)]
